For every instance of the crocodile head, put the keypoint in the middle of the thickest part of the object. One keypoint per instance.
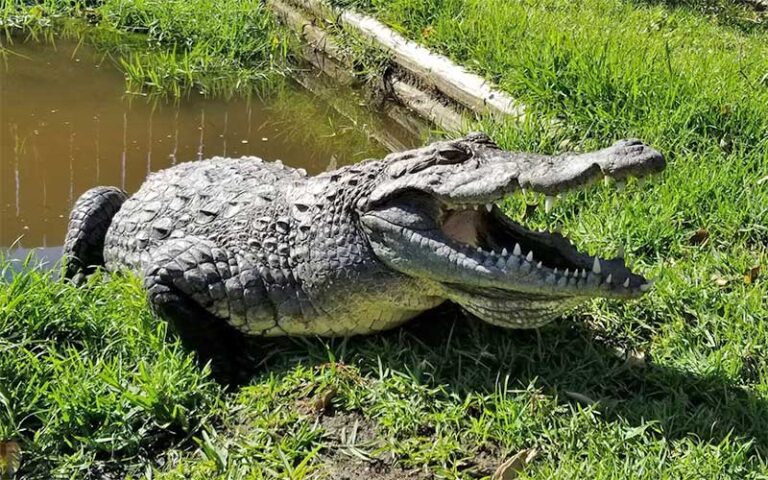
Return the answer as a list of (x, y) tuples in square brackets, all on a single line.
[(431, 216)]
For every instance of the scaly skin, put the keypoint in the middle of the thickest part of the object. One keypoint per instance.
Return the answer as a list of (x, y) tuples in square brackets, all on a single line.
[(272, 251)]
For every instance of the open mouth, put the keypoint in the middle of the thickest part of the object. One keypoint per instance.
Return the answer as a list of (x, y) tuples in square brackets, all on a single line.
[(475, 249), (485, 235)]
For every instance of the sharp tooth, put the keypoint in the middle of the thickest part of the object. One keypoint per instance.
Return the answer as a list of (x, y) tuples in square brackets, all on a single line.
[(538, 265), (620, 251), (493, 252), (596, 266), (529, 257), (609, 279), (646, 286), (517, 250), (583, 273), (479, 250), (567, 272), (504, 252), (474, 207), (626, 283), (549, 202), (620, 185), (488, 207), (555, 271)]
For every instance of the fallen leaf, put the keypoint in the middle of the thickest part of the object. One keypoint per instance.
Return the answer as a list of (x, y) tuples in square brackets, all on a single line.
[(512, 467), (323, 399), (719, 281), (10, 458), (699, 237), (751, 275)]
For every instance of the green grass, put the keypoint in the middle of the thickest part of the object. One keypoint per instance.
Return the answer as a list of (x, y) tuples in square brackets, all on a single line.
[(87, 379), (90, 383), (166, 46)]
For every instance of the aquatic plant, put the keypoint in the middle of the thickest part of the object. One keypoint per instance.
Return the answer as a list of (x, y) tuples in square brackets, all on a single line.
[(168, 47)]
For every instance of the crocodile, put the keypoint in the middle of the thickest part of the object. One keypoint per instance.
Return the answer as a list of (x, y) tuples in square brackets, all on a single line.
[(258, 248)]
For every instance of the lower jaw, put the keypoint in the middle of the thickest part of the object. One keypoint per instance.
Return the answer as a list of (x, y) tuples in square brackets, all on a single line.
[(518, 311), (520, 317)]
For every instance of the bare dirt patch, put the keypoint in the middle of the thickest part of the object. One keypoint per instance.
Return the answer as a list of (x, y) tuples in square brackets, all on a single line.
[(355, 450)]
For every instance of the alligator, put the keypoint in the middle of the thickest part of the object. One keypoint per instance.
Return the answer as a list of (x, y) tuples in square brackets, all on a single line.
[(258, 248)]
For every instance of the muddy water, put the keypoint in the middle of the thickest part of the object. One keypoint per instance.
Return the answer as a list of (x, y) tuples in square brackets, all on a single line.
[(67, 124)]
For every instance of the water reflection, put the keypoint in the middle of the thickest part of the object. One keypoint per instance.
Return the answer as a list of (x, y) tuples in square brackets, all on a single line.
[(66, 125), (20, 258)]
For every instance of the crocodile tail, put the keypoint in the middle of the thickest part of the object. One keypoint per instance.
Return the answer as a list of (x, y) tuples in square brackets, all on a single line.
[(88, 225)]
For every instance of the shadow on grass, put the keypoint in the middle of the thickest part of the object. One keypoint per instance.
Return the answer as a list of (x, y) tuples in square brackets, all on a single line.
[(464, 355)]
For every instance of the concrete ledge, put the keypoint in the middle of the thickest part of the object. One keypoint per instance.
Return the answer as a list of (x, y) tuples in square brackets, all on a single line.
[(442, 92)]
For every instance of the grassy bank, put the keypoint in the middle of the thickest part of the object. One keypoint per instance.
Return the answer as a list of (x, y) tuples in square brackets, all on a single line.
[(166, 47), (672, 386), (88, 383), (691, 78)]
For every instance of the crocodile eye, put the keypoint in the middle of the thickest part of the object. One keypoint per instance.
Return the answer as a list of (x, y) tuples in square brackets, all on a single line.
[(452, 153)]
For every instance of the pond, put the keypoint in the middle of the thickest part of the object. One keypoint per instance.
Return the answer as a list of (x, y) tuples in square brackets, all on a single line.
[(67, 124)]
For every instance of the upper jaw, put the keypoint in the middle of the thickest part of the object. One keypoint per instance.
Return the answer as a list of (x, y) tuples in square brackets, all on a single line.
[(489, 173), (622, 160)]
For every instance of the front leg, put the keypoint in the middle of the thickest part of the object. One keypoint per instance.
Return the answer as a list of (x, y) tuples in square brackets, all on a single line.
[(209, 302)]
